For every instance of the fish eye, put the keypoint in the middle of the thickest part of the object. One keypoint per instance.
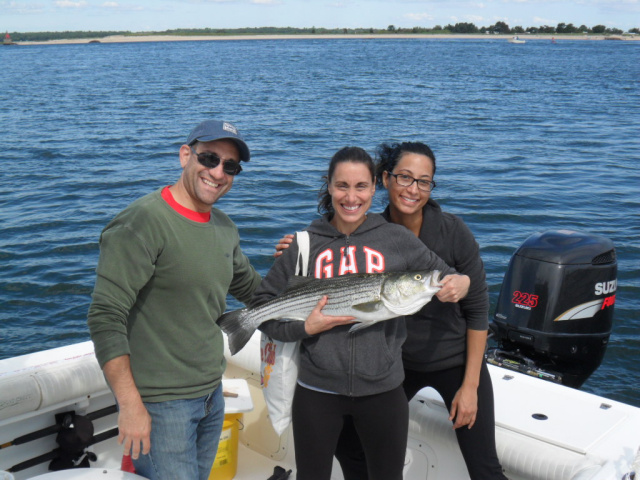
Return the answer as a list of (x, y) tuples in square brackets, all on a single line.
[(418, 277)]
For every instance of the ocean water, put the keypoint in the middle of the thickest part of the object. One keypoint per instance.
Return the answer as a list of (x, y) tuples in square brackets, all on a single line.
[(527, 138)]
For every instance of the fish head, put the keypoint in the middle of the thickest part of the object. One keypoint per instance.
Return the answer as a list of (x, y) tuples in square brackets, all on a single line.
[(404, 293)]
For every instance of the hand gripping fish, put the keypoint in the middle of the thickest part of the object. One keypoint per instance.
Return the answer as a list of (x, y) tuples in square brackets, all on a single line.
[(370, 297)]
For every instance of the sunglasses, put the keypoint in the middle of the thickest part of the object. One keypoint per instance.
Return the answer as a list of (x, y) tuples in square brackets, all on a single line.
[(211, 160)]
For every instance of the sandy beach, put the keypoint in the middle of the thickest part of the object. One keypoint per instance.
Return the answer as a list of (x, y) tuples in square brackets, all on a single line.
[(194, 38)]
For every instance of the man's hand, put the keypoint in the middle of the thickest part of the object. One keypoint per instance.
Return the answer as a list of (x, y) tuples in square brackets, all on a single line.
[(134, 422), (134, 425)]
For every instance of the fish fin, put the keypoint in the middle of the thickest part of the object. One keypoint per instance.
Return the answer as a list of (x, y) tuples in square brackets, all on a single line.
[(238, 327), (368, 307), (360, 326)]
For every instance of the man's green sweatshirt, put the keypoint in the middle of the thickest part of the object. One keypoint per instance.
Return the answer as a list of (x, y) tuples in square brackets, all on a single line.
[(161, 284)]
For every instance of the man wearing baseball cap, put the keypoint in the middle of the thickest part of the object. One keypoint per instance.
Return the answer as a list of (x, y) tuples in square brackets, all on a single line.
[(166, 264)]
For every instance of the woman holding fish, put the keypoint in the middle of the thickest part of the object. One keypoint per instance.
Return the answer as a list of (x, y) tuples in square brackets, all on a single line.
[(342, 373), (446, 342)]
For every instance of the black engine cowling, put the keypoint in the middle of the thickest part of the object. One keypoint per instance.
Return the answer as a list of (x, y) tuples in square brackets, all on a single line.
[(555, 310)]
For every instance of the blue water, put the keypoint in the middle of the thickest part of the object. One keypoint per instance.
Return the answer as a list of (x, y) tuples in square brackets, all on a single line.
[(527, 138)]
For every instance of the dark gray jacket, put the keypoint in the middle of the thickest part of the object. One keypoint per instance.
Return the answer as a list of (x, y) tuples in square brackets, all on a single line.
[(368, 361), (437, 334)]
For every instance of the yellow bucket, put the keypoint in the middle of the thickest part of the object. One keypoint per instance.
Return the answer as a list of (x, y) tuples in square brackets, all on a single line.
[(226, 463)]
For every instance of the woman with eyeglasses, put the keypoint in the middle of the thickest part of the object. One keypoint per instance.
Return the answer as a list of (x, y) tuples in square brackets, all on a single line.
[(341, 373), (446, 341)]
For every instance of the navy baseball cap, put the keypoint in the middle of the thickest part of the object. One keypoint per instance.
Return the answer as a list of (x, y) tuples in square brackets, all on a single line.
[(211, 130)]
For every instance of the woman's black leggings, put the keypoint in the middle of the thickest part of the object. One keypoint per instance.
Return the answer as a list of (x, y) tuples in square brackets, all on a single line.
[(381, 422), (477, 444)]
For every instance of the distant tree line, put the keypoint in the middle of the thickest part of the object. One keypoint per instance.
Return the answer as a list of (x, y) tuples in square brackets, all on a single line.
[(45, 36), (561, 28), (458, 28)]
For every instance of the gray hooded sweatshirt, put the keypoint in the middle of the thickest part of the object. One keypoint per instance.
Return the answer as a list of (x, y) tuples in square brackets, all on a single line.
[(368, 361)]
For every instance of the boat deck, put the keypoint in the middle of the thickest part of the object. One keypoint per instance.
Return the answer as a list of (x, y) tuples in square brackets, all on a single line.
[(543, 430)]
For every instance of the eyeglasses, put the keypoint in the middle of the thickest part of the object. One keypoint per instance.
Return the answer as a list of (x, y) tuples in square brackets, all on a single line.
[(406, 181), (211, 160)]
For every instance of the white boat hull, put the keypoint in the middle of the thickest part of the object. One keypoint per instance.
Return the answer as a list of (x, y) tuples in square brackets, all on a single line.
[(584, 436)]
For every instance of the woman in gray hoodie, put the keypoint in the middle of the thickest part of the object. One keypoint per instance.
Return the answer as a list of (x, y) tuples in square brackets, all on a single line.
[(446, 342), (355, 375)]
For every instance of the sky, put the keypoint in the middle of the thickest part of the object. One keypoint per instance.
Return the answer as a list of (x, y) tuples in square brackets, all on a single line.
[(160, 15)]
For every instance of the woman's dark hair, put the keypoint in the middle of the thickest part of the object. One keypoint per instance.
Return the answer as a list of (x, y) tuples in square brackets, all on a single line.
[(346, 154), (389, 156)]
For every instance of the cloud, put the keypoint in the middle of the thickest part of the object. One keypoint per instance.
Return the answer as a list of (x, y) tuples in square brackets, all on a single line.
[(544, 21), (21, 7), (418, 17), (474, 18), (71, 4), (629, 6), (121, 8)]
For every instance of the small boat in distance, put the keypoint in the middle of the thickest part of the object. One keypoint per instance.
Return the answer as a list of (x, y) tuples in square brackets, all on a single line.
[(515, 39)]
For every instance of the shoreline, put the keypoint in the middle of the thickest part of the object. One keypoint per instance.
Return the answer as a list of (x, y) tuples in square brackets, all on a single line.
[(194, 38)]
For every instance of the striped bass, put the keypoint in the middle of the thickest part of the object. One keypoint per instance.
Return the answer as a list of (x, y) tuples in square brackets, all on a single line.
[(369, 297)]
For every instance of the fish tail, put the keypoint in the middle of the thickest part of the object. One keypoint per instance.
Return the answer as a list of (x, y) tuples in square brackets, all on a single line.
[(238, 327)]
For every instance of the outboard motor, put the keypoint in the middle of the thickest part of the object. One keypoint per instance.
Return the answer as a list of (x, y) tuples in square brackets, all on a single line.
[(555, 310)]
